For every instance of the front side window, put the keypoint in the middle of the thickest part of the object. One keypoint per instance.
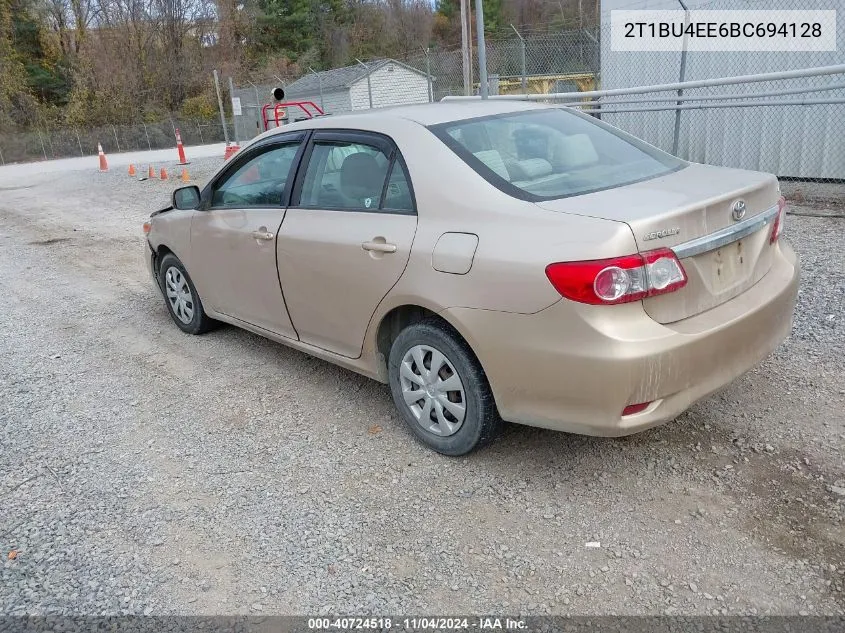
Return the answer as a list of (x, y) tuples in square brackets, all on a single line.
[(553, 153), (259, 182), (344, 175)]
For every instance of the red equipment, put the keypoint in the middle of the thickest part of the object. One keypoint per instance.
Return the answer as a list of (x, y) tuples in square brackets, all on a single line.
[(274, 114)]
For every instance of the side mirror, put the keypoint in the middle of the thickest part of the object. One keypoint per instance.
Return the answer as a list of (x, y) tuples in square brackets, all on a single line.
[(186, 198)]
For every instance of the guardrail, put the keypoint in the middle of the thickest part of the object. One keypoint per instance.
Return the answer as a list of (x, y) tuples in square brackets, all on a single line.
[(681, 85)]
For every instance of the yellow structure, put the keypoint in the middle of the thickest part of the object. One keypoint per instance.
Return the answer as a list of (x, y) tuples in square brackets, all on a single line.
[(544, 84)]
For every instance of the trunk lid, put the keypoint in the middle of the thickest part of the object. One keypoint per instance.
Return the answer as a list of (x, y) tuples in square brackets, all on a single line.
[(691, 203)]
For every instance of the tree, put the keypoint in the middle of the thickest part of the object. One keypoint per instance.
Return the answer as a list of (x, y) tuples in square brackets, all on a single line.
[(285, 26), (48, 75), (449, 9), (17, 105)]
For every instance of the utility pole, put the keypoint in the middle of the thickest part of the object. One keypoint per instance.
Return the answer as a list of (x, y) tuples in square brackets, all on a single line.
[(467, 60), (469, 45), (482, 49)]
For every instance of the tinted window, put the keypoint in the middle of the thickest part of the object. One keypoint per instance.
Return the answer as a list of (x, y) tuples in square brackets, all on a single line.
[(259, 182), (554, 153), (343, 175)]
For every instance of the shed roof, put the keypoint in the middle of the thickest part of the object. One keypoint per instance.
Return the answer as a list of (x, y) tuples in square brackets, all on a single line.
[(333, 80)]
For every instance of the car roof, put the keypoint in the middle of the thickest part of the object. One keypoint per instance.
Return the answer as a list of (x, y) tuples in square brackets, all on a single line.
[(424, 114)]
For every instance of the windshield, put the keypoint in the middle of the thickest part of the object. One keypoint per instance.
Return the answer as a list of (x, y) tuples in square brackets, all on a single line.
[(555, 153)]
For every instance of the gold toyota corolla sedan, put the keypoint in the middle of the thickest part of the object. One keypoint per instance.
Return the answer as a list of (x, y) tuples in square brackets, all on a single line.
[(490, 261)]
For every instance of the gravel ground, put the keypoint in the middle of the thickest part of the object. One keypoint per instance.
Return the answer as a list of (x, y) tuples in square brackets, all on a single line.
[(146, 471)]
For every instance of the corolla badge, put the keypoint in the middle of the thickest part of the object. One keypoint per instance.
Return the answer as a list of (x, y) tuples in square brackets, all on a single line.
[(738, 210), (655, 235)]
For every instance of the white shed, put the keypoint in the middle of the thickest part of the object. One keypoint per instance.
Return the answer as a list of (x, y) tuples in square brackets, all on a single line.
[(386, 81)]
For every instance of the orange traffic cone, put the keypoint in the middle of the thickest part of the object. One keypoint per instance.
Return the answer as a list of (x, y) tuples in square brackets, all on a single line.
[(131, 169), (151, 174), (104, 165), (184, 177), (163, 175), (180, 148)]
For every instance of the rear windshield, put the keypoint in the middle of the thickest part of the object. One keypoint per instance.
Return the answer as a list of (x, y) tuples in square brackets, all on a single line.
[(554, 153)]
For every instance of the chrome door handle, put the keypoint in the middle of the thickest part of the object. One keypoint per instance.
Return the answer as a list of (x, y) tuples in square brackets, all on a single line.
[(379, 247), (263, 235)]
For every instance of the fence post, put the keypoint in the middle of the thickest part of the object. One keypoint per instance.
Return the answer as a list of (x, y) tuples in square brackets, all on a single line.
[(199, 129), (681, 75), (79, 141), (369, 85), (522, 60), (234, 118), (220, 106), (258, 107), (149, 145), (2, 162), (428, 76), (114, 130), (580, 28), (319, 86), (43, 151)]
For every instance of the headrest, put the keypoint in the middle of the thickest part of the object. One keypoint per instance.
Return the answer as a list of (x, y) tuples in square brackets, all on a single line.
[(362, 177)]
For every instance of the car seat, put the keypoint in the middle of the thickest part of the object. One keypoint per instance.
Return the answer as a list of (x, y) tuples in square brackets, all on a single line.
[(361, 180)]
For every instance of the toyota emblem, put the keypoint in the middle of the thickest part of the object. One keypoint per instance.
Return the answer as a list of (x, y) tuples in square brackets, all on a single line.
[(738, 211)]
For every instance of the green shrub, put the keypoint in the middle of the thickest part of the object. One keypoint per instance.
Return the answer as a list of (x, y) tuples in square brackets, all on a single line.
[(199, 107)]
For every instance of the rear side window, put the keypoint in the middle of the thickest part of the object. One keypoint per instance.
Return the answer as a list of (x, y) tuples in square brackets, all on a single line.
[(344, 176), (554, 153), (355, 176)]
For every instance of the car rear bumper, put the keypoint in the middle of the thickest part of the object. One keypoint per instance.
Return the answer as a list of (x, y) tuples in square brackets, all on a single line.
[(575, 367)]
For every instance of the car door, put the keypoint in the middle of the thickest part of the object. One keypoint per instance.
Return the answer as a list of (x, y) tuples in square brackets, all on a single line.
[(346, 237), (233, 236)]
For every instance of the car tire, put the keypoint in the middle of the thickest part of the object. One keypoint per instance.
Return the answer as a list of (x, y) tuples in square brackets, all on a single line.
[(456, 412), (181, 297)]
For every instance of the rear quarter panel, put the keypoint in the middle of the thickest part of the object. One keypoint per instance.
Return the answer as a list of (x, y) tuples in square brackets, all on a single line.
[(516, 239)]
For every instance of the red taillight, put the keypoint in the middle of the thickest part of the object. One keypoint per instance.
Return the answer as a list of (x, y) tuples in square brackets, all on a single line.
[(631, 409), (777, 226), (618, 280)]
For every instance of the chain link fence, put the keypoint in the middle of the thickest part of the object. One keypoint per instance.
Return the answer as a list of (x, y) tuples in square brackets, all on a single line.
[(48, 143)]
